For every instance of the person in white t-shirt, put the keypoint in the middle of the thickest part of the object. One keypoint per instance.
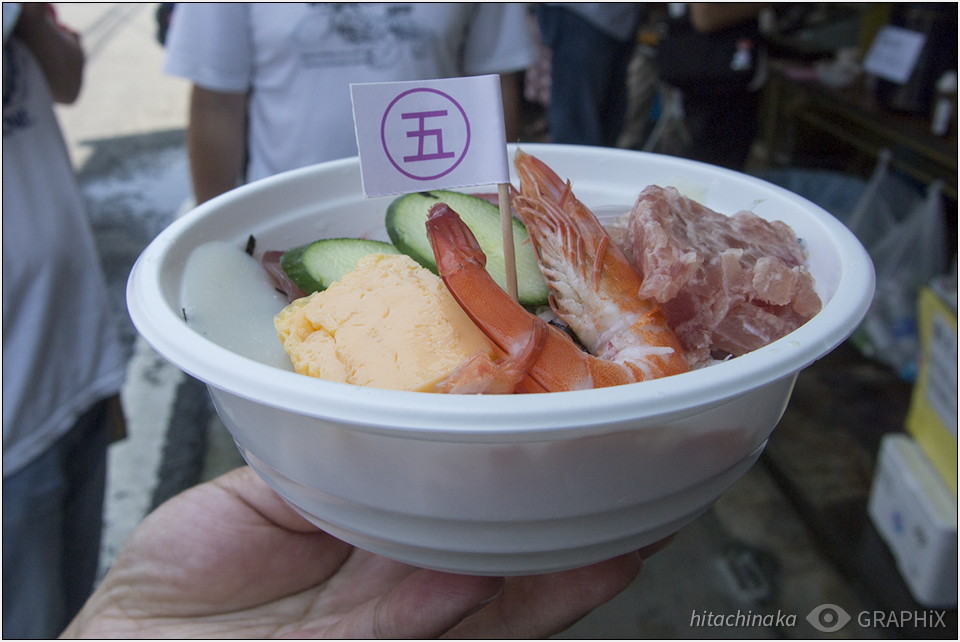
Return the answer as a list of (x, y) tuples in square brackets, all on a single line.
[(62, 360), (271, 81)]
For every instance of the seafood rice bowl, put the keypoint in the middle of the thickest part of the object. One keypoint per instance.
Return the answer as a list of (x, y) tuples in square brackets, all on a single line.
[(489, 483)]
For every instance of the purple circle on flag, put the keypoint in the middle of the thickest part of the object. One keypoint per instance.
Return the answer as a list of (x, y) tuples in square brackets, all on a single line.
[(425, 137)]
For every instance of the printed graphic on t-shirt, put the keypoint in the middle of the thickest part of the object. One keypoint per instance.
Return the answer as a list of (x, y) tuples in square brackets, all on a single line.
[(342, 34), (15, 114)]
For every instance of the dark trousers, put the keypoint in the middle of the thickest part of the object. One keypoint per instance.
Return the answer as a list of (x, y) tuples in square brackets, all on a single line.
[(588, 94), (52, 522)]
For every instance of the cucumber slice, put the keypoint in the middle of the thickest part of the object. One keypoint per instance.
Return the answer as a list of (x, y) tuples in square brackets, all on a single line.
[(315, 266), (406, 224)]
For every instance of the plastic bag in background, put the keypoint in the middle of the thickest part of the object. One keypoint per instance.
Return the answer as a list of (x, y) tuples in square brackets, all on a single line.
[(902, 230), (907, 252), (874, 215), (836, 192)]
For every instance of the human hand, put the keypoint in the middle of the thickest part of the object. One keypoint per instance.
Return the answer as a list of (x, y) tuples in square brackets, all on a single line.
[(56, 48), (231, 559)]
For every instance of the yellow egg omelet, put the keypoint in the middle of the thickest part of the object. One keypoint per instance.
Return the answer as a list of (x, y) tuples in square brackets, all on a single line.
[(390, 323)]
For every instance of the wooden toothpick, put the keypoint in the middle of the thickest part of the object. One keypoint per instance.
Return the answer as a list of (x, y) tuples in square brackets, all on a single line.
[(506, 231)]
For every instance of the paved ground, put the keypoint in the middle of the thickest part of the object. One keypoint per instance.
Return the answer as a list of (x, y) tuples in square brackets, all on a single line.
[(755, 553)]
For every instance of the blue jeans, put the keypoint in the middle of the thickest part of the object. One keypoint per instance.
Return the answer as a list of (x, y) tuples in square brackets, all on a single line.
[(588, 79), (52, 521)]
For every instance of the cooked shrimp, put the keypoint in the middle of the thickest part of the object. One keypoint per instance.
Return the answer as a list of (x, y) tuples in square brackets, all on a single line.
[(537, 356), (594, 287)]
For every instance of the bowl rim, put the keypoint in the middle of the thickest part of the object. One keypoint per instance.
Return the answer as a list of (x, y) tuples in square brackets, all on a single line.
[(473, 417)]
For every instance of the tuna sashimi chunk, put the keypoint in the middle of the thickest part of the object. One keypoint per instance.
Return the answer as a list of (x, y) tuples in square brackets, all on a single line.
[(727, 284)]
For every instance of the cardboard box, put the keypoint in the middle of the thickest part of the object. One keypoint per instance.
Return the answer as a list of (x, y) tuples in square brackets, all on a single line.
[(916, 515), (932, 418)]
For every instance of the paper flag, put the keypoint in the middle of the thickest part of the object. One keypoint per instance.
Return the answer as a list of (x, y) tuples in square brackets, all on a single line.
[(419, 135)]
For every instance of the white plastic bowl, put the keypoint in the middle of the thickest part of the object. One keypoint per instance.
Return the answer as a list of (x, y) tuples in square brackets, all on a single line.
[(512, 484)]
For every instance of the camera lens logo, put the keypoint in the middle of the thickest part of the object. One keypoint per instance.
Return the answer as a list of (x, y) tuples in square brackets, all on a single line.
[(828, 618)]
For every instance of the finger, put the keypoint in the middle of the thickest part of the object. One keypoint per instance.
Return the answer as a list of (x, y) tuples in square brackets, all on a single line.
[(423, 605), (542, 605)]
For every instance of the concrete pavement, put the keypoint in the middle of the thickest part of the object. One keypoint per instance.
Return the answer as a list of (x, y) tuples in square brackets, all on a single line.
[(125, 92)]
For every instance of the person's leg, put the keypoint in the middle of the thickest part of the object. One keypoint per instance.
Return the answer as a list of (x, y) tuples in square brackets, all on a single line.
[(615, 104), (52, 521), (32, 532), (579, 76), (86, 473)]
